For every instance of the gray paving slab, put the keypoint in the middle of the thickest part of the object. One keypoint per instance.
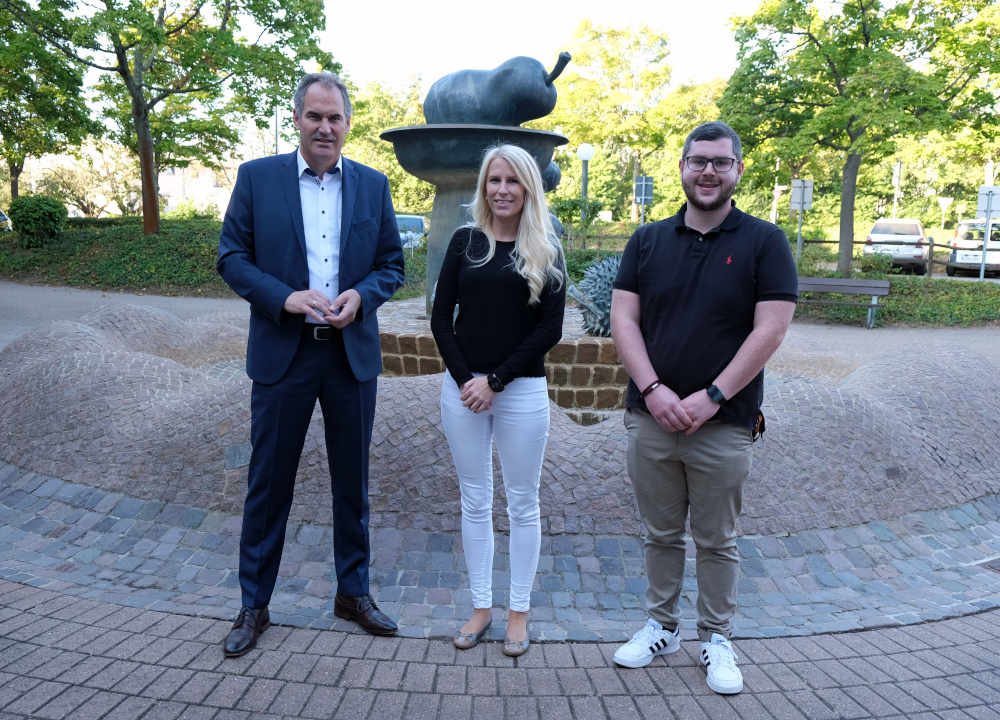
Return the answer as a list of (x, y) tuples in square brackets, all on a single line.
[(788, 588)]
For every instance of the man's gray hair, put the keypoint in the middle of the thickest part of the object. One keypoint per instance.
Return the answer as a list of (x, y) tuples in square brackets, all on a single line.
[(713, 131), (325, 79)]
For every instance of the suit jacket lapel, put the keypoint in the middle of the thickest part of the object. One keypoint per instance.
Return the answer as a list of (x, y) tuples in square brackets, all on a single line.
[(290, 181), (348, 195)]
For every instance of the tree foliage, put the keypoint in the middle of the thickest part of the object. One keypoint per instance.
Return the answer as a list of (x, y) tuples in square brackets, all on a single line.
[(378, 108), (854, 77), (606, 95), (195, 65), (102, 175), (42, 108)]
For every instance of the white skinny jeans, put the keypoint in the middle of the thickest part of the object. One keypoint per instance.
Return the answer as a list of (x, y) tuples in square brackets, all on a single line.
[(519, 420)]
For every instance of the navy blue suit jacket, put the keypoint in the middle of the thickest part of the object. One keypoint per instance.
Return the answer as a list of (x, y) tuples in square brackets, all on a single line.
[(262, 256)]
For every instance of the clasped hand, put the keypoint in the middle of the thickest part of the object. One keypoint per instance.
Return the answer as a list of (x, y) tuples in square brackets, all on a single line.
[(680, 415), (339, 313), (477, 395)]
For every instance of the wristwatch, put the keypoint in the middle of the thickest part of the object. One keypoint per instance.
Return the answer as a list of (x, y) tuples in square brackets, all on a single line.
[(715, 394), (496, 385)]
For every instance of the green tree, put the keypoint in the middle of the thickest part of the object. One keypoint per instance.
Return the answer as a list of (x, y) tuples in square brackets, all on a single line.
[(42, 109), (378, 108), (606, 95), (231, 58), (856, 77), (101, 175)]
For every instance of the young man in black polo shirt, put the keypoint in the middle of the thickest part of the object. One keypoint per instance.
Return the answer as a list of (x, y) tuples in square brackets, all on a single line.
[(701, 301)]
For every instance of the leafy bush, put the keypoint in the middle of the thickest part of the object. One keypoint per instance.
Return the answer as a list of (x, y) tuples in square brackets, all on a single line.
[(113, 221), (877, 264), (415, 261), (38, 219), (187, 210), (568, 211), (117, 255), (578, 260)]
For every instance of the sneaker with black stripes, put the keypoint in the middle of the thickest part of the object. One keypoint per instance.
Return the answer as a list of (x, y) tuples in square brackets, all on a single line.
[(650, 641)]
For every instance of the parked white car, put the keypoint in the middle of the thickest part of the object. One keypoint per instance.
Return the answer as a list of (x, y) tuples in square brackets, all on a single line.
[(903, 239), (967, 247), (412, 230)]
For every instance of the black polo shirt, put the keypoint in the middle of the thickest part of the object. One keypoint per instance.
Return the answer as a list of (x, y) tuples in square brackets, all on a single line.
[(697, 295)]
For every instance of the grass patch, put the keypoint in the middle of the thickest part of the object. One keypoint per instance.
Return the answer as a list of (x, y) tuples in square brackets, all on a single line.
[(117, 256), (113, 254), (914, 300)]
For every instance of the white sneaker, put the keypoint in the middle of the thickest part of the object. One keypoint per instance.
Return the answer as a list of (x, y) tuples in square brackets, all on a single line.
[(720, 666), (650, 641)]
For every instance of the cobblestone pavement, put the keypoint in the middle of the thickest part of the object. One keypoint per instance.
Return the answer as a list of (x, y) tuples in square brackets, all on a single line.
[(870, 585), (112, 547), (138, 401), (63, 657)]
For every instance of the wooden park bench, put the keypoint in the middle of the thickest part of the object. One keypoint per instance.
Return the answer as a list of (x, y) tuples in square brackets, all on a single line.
[(846, 286)]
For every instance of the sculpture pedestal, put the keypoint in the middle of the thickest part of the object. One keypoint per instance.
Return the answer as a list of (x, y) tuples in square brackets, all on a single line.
[(450, 212)]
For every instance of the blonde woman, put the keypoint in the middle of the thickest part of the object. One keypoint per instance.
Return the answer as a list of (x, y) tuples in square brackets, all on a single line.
[(506, 274)]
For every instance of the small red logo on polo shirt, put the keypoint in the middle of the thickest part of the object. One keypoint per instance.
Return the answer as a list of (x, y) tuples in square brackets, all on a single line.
[(729, 260)]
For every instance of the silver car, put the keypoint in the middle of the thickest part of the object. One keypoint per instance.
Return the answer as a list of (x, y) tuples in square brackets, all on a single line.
[(903, 239)]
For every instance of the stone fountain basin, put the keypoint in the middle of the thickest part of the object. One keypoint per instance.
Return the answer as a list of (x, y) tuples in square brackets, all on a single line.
[(449, 155)]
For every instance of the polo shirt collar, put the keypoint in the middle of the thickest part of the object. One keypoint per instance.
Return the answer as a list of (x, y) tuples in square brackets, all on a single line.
[(729, 223)]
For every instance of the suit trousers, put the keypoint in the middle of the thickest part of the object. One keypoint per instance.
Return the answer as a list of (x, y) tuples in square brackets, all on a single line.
[(674, 475), (280, 415), (519, 421)]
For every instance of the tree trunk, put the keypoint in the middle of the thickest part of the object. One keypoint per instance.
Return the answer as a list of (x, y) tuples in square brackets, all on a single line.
[(15, 177), (147, 168), (848, 189)]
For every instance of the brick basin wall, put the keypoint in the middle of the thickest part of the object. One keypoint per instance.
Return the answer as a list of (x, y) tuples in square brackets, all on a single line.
[(584, 374)]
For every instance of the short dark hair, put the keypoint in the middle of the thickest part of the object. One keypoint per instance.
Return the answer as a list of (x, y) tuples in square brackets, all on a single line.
[(327, 80), (713, 131)]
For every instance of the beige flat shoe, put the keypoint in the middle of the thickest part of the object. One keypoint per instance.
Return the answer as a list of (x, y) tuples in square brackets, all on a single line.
[(467, 641), (516, 648)]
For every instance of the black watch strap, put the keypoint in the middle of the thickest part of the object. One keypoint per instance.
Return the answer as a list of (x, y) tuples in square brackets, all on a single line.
[(496, 385), (715, 394)]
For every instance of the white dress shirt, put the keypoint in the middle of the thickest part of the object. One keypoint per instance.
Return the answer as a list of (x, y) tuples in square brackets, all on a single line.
[(321, 210)]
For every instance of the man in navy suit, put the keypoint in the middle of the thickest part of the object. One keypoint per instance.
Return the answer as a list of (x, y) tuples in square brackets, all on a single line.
[(310, 241)]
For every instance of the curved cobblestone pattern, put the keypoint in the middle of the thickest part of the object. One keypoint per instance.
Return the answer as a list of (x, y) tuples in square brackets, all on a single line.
[(135, 400), (137, 394)]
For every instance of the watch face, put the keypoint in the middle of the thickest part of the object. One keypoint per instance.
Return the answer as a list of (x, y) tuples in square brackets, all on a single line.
[(494, 383)]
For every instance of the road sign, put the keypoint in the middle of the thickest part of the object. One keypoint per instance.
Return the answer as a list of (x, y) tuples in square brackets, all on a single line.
[(988, 206), (984, 206), (802, 195), (644, 190)]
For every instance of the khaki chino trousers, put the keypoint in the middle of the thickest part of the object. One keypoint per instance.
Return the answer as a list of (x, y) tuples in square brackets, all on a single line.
[(701, 475)]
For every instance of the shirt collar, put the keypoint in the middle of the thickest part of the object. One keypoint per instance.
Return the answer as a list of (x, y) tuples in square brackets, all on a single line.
[(730, 222), (303, 165)]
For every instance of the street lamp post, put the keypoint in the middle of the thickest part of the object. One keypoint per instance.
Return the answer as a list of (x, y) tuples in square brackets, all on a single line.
[(585, 152)]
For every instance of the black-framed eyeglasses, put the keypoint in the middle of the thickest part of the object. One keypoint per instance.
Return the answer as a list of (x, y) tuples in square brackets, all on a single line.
[(697, 163)]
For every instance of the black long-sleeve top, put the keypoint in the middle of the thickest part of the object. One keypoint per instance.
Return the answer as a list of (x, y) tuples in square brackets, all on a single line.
[(496, 331)]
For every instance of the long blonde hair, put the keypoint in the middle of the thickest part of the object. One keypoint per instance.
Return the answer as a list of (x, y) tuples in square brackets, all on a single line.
[(537, 251)]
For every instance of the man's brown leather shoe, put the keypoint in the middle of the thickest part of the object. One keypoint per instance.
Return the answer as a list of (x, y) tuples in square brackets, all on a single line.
[(247, 627), (365, 613)]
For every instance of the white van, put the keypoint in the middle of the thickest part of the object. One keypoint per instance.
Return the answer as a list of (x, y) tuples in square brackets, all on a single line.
[(412, 230), (967, 247)]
